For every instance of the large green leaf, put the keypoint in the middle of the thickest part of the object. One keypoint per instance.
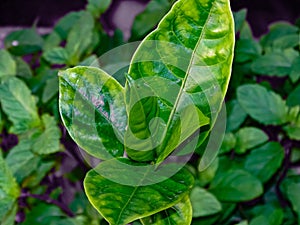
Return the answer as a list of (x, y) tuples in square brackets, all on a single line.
[(19, 105), (264, 161), (236, 185), (7, 64), (9, 190), (92, 108), (181, 213), (121, 204), (204, 203), (262, 105), (183, 65)]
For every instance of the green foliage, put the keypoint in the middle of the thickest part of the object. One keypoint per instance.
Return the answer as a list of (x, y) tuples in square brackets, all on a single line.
[(164, 104)]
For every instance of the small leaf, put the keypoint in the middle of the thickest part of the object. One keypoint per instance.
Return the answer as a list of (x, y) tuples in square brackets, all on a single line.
[(7, 64), (204, 203), (51, 41), (278, 30), (19, 105), (23, 42), (80, 37), (121, 204), (92, 108), (262, 105), (50, 90), (65, 24), (294, 197), (57, 55), (294, 97), (236, 186), (48, 141), (8, 188), (247, 50), (21, 160), (149, 18), (249, 137), (181, 213), (272, 64), (239, 19), (228, 143), (287, 41), (97, 7), (293, 131), (236, 115), (263, 162), (23, 69), (295, 70), (207, 175)]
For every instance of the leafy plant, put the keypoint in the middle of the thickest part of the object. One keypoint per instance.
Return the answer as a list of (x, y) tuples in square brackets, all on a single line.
[(188, 173), (151, 117)]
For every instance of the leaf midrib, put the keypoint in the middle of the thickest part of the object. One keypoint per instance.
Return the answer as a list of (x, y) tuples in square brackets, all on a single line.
[(185, 77)]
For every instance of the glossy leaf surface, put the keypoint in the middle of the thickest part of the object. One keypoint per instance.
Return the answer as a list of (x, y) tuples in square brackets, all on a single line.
[(180, 213), (92, 108), (191, 51), (122, 204)]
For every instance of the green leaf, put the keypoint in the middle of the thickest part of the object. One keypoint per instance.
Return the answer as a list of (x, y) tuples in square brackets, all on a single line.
[(122, 204), (51, 41), (21, 160), (9, 218), (65, 24), (287, 41), (204, 203), (184, 65), (235, 115), (294, 197), (80, 37), (23, 69), (180, 213), (9, 190), (272, 64), (228, 143), (97, 7), (263, 162), (295, 70), (57, 55), (92, 108), (262, 105), (23, 42), (293, 130), (149, 18), (267, 215), (7, 64), (44, 214), (236, 186), (278, 30), (19, 105), (294, 97), (249, 137), (48, 141), (239, 19), (50, 90), (207, 175), (247, 50)]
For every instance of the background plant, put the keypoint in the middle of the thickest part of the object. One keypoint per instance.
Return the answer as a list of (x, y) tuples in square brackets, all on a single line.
[(258, 150)]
